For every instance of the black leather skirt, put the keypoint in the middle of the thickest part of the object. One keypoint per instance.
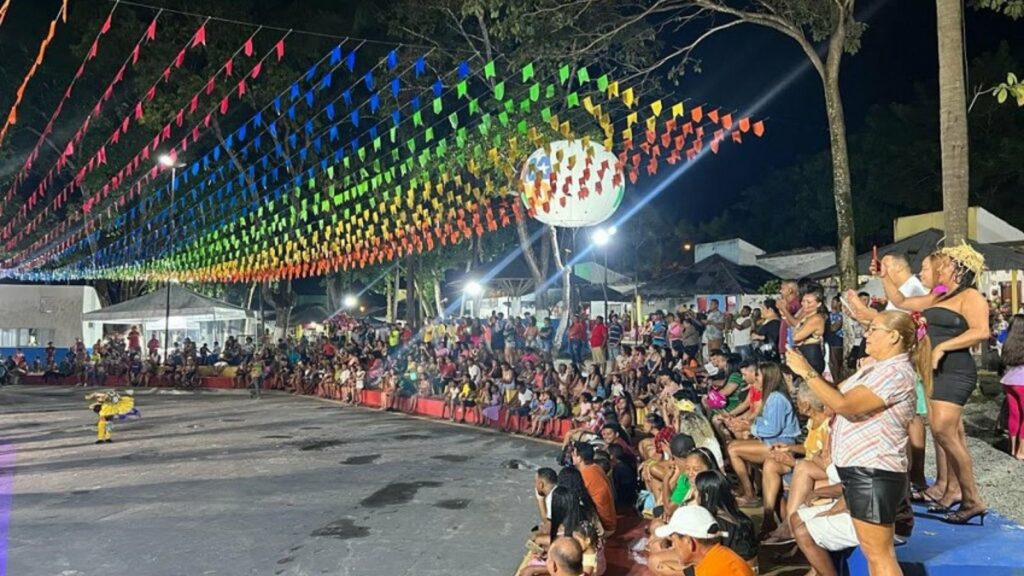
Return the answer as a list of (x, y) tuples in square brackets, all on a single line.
[(873, 495)]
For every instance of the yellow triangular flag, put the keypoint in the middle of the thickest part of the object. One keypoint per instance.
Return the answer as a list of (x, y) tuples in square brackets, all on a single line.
[(677, 109), (656, 108), (627, 97)]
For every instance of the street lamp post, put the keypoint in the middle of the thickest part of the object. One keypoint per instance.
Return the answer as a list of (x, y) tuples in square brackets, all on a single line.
[(168, 161)]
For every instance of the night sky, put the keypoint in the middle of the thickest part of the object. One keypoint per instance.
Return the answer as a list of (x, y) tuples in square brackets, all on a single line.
[(743, 64)]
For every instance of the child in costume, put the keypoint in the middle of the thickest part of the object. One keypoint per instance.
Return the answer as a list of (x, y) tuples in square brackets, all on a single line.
[(109, 406)]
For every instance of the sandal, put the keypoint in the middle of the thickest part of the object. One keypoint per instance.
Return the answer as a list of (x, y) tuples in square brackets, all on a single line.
[(964, 517), (919, 495), (939, 507)]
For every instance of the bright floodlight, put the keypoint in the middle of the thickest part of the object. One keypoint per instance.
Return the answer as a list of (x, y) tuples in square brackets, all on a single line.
[(473, 288), (602, 236), (350, 301), (166, 161)]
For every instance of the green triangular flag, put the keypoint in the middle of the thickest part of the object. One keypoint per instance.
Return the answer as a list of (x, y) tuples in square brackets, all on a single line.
[(582, 75), (437, 106), (549, 91), (453, 119), (489, 69), (545, 114), (573, 100), (499, 91), (461, 89), (417, 118), (563, 74), (535, 92), (602, 82), (527, 72)]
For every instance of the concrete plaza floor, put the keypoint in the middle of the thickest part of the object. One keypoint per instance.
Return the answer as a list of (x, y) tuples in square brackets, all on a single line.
[(215, 483)]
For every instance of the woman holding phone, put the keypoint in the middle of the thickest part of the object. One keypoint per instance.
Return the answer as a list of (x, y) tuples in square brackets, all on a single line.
[(957, 318), (869, 437)]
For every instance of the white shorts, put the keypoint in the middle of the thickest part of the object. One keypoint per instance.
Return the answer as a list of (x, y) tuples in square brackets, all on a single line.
[(833, 533)]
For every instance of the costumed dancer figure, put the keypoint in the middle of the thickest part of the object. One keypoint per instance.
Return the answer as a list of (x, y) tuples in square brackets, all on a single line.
[(110, 406)]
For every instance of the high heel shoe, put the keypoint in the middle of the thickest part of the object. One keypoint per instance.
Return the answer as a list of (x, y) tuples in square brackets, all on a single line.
[(939, 507), (964, 517)]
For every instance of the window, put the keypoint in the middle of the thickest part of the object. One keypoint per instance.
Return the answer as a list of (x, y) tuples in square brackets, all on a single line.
[(25, 337)]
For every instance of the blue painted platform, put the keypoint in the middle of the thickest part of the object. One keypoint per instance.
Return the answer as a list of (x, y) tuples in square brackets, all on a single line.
[(940, 549)]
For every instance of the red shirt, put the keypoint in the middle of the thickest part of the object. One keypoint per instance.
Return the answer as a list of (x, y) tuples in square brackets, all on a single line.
[(133, 340), (663, 437), (577, 331), (794, 307), (598, 335)]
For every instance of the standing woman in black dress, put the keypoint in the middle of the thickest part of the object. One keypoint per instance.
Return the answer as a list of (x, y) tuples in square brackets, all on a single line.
[(957, 316)]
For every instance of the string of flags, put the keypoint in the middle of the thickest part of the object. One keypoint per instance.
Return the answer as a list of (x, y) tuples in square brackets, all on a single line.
[(353, 164)]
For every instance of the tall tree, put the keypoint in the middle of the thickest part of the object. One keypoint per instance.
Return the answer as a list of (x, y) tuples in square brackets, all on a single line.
[(831, 24), (953, 119), (605, 33)]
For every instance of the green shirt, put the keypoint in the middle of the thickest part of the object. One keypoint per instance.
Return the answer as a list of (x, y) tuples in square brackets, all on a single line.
[(681, 491)]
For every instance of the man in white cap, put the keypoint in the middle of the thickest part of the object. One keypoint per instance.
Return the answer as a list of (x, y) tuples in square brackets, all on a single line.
[(695, 536)]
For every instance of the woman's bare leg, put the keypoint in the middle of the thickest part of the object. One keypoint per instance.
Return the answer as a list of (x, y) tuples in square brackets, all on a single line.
[(819, 558), (742, 453), (876, 542), (771, 487), (948, 428)]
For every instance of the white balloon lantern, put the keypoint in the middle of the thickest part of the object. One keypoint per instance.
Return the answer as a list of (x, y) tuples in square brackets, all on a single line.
[(572, 183)]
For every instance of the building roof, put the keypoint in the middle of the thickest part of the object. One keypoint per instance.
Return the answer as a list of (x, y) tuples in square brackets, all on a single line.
[(920, 245), (712, 275), (153, 307)]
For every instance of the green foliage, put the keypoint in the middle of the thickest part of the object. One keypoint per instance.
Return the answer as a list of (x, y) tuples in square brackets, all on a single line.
[(770, 288), (1011, 88), (896, 171), (1012, 8)]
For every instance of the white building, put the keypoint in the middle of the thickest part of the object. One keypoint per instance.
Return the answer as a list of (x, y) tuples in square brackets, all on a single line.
[(32, 315)]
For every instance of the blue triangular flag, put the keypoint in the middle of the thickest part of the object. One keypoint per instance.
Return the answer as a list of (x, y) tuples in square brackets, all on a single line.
[(396, 87), (392, 60), (336, 55), (374, 102), (463, 70), (421, 66)]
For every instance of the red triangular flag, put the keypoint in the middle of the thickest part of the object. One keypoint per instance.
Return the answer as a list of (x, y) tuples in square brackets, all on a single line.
[(200, 36), (106, 26), (229, 67), (247, 48), (759, 128), (151, 31), (279, 48)]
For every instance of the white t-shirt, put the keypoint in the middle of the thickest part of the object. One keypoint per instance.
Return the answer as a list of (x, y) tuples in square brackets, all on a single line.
[(525, 397), (741, 336), (912, 287)]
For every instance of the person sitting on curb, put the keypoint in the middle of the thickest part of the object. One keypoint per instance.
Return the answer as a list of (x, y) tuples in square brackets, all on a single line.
[(696, 538)]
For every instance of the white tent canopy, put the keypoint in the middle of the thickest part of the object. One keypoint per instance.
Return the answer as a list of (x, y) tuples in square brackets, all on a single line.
[(192, 315), (185, 304)]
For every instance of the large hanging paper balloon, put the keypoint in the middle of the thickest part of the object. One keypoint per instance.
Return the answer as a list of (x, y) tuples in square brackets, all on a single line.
[(572, 183)]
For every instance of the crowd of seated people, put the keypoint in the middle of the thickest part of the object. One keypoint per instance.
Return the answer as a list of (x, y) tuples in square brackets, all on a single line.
[(667, 427)]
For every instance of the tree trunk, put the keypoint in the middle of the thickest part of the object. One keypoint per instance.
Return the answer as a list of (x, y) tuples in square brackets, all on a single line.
[(437, 297), (563, 323), (393, 312), (411, 317), (540, 296), (526, 243), (283, 300), (389, 289), (846, 249), (953, 120)]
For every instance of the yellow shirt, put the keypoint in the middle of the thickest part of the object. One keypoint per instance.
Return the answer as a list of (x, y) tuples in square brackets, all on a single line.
[(817, 438)]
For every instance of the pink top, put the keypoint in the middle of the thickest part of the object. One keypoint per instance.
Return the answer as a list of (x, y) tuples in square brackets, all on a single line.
[(878, 440), (1013, 377)]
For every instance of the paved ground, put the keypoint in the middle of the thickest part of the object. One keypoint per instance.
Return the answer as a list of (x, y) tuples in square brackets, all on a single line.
[(213, 483)]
